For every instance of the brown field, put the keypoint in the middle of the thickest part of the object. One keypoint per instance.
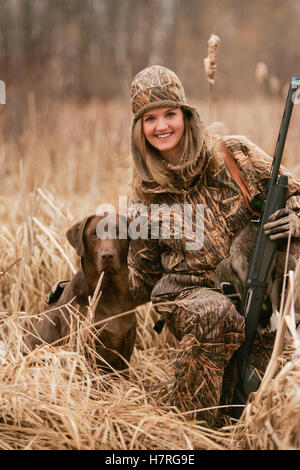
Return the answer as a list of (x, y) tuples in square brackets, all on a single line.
[(69, 160)]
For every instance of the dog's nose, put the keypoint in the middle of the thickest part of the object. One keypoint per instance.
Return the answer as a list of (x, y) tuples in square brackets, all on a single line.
[(107, 255)]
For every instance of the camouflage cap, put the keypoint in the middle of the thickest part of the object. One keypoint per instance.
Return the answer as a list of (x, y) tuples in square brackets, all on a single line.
[(156, 86)]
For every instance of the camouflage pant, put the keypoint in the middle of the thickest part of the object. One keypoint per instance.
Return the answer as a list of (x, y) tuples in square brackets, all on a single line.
[(209, 329)]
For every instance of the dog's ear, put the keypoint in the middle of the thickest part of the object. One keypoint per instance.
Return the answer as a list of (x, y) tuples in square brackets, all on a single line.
[(75, 235)]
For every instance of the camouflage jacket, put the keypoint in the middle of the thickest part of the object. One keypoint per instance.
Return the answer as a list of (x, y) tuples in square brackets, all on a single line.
[(163, 267)]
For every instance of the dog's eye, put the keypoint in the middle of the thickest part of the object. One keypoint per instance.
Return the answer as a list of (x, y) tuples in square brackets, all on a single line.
[(94, 233)]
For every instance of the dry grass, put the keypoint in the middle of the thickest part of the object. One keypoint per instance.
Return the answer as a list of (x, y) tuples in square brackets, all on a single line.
[(68, 162), (272, 421)]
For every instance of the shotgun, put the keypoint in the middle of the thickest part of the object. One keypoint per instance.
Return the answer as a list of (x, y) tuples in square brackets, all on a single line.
[(260, 263)]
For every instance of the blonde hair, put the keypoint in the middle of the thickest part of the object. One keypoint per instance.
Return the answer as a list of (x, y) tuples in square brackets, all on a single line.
[(158, 170)]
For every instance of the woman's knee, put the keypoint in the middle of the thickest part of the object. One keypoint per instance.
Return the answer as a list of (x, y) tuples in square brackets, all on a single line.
[(204, 313), (213, 319), (214, 311)]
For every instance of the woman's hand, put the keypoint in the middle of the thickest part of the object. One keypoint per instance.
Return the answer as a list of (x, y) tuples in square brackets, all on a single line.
[(281, 223)]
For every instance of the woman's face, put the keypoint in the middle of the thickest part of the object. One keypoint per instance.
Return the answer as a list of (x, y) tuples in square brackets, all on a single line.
[(163, 129)]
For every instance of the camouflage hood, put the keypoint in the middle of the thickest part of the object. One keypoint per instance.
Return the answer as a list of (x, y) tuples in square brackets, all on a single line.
[(154, 87)]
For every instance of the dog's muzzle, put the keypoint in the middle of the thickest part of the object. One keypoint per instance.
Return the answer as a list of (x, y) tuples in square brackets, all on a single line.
[(108, 261)]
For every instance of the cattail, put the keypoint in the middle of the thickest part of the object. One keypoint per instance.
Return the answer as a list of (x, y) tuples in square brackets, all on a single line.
[(211, 61), (261, 73), (274, 84), (218, 128)]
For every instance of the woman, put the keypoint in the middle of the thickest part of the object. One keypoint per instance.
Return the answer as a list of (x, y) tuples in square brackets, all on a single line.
[(176, 161)]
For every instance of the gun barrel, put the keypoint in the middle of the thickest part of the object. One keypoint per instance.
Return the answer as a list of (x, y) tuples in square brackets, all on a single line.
[(294, 85)]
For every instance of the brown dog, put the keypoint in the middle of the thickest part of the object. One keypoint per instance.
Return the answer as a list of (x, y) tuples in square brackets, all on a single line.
[(108, 255)]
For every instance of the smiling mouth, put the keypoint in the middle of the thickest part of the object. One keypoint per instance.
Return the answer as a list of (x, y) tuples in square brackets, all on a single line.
[(164, 136)]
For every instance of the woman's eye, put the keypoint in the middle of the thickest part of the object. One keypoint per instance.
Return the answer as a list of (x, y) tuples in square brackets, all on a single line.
[(148, 119), (171, 114)]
